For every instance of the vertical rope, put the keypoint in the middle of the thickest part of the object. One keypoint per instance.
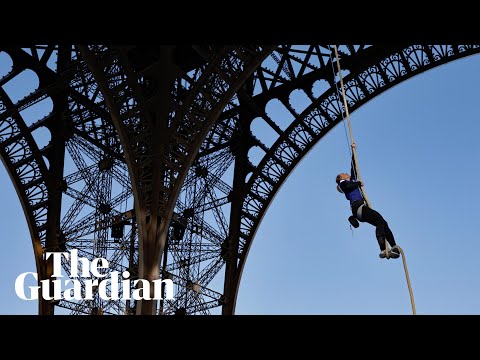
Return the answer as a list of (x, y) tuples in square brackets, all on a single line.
[(355, 159), (339, 96), (350, 126)]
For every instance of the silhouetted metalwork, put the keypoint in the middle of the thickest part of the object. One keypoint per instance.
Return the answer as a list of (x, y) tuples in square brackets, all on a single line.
[(152, 157)]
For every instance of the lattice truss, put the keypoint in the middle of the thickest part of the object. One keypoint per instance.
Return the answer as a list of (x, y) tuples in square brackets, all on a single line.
[(95, 185), (289, 68), (97, 215)]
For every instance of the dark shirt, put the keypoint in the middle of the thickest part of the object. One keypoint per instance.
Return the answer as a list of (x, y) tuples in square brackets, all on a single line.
[(351, 189)]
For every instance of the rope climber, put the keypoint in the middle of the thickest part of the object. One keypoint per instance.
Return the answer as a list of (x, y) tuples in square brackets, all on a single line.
[(348, 185), (352, 187)]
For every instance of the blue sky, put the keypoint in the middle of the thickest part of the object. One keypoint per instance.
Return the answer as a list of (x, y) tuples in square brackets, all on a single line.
[(417, 148)]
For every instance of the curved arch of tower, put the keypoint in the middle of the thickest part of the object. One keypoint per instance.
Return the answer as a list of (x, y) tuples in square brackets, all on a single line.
[(140, 154)]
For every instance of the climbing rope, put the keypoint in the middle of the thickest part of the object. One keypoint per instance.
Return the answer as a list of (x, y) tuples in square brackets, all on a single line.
[(339, 96), (412, 300), (357, 169)]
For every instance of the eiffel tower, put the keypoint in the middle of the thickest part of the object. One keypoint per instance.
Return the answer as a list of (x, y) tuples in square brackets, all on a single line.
[(140, 154)]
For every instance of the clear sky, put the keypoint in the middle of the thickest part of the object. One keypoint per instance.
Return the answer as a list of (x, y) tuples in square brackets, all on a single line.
[(418, 157)]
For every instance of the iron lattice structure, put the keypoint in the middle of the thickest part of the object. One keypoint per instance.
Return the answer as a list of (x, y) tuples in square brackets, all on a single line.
[(142, 154)]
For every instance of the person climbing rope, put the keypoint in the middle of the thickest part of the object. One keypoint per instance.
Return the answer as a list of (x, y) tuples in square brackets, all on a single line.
[(348, 185), (360, 205)]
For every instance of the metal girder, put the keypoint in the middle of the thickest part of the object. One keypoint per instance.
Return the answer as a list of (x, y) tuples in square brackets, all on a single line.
[(76, 116), (163, 163), (371, 72), (25, 162)]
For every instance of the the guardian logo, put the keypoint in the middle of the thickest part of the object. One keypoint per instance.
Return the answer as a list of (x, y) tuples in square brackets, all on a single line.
[(71, 289)]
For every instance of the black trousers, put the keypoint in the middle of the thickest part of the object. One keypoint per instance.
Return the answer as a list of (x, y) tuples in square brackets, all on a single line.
[(382, 231)]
